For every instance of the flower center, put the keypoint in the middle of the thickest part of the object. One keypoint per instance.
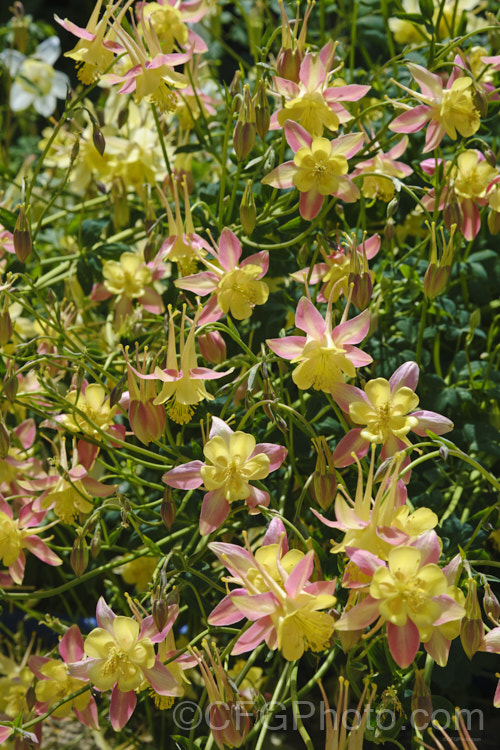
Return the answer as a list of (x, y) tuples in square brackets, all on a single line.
[(456, 110)]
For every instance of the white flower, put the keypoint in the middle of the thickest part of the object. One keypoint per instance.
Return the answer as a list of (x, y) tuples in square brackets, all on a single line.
[(34, 80)]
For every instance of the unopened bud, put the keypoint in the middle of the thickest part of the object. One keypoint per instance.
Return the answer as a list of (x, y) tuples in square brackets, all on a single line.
[(212, 347), (389, 230), (167, 509), (117, 392), (22, 236), (427, 10), (245, 130), (362, 288), (435, 279), (324, 483), (75, 150), (288, 64), (160, 613), (490, 603), (4, 440), (490, 156), (472, 628), (30, 698), (11, 386), (79, 557), (235, 87), (248, 212), (481, 101), (421, 702), (262, 111), (95, 544), (5, 326), (392, 206), (98, 138), (453, 214)]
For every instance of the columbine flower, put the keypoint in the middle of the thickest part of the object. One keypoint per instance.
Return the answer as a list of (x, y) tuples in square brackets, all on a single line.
[(236, 287), (274, 591), (120, 655), (410, 597), (17, 534), (470, 184), (319, 168), (183, 245), (34, 80), (185, 384), (146, 418), (54, 682), (95, 414), (169, 19), (94, 52), (151, 76), (129, 278), (324, 356), (448, 110), (384, 407), (233, 460), (386, 166), (309, 102), (335, 271)]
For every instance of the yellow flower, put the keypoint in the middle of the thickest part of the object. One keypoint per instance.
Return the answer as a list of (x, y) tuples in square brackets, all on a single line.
[(128, 276), (120, 656), (167, 23), (301, 627), (10, 539), (384, 413), (240, 290), (406, 590), (471, 176), (231, 466), (95, 409), (457, 110), (70, 498), (318, 167), (311, 111), (59, 685)]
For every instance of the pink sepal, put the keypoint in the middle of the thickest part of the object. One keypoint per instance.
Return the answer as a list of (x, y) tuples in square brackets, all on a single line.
[(310, 204), (353, 331), (214, 511), (256, 633), (161, 680), (345, 395), (121, 707), (412, 120), (366, 561), (184, 477), (438, 647), (430, 420), (275, 453), (300, 574), (236, 559), (255, 606), (452, 610), (406, 375), (35, 663), (403, 642), (42, 550), (257, 497), (309, 319), (229, 250), (296, 136), (226, 612), (88, 715), (275, 534), (282, 176), (104, 615), (351, 443), (71, 645), (429, 545), (360, 616), (288, 347)]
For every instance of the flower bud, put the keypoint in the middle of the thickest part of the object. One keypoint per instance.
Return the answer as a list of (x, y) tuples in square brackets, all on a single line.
[(167, 509), (481, 101), (5, 325), (490, 156), (212, 347), (95, 544), (11, 385), (427, 10), (4, 440), (245, 130), (389, 230), (435, 280), (453, 214), (262, 111), (362, 288), (22, 236), (160, 612), (490, 603), (324, 483), (235, 87), (421, 702), (117, 392), (98, 138), (248, 212), (472, 628), (392, 206), (79, 557)]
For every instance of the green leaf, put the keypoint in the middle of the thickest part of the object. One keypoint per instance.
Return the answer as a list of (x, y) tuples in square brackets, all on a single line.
[(91, 231), (8, 219), (85, 275)]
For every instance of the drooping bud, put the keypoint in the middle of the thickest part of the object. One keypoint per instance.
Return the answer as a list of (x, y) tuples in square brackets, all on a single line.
[(79, 557), (95, 544), (4, 440), (5, 323), (248, 212), (490, 156), (212, 347), (160, 611), (22, 236), (245, 130), (262, 111), (117, 392), (98, 138), (324, 482), (421, 702), (167, 509), (392, 207), (472, 628), (362, 288), (491, 604)]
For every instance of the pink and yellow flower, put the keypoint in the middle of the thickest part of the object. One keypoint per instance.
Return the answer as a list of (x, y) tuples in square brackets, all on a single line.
[(236, 287), (319, 168), (325, 356), (233, 460), (449, 109), (385, 408), (275, 593)]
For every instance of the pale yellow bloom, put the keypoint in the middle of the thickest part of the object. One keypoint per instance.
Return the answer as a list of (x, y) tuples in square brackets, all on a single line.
[(386, 413), (240, 290), (318, 167), (472, 176), (70, 498), (59, 685), (128, 276), (230, 466), (95, 407)]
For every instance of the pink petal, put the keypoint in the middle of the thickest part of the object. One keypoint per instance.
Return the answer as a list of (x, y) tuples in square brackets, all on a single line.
[(349, 93), (255, 606), (471, 222), (433, 136), (104, 615), (406, 375), (357, 357), (16, 570), (214, 511), (35, 663), (255, 634), (430, 420), (438, 647), (211, 312), (257, 497), (288, 89), (275, 534), (300, 575), (371, 246), (199, 283), (121, 707), (412, 120), (152, 301), (88, 715), (226, 612), (366, 561), (312, 72), (42, 550), (345, 394), (275, 453), (451, 609), (161, 680), (430, 83), (288, 347), (98, 489), (204, 373), (184, 477), (236, 559), (26, 432), (296, 135), (351, 443), (229, 250), (71, 645), (309, 319), (403, 642), (258, 259), (360, 616), (352, 331), (429, 545), (310, 204), (282, 176)]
